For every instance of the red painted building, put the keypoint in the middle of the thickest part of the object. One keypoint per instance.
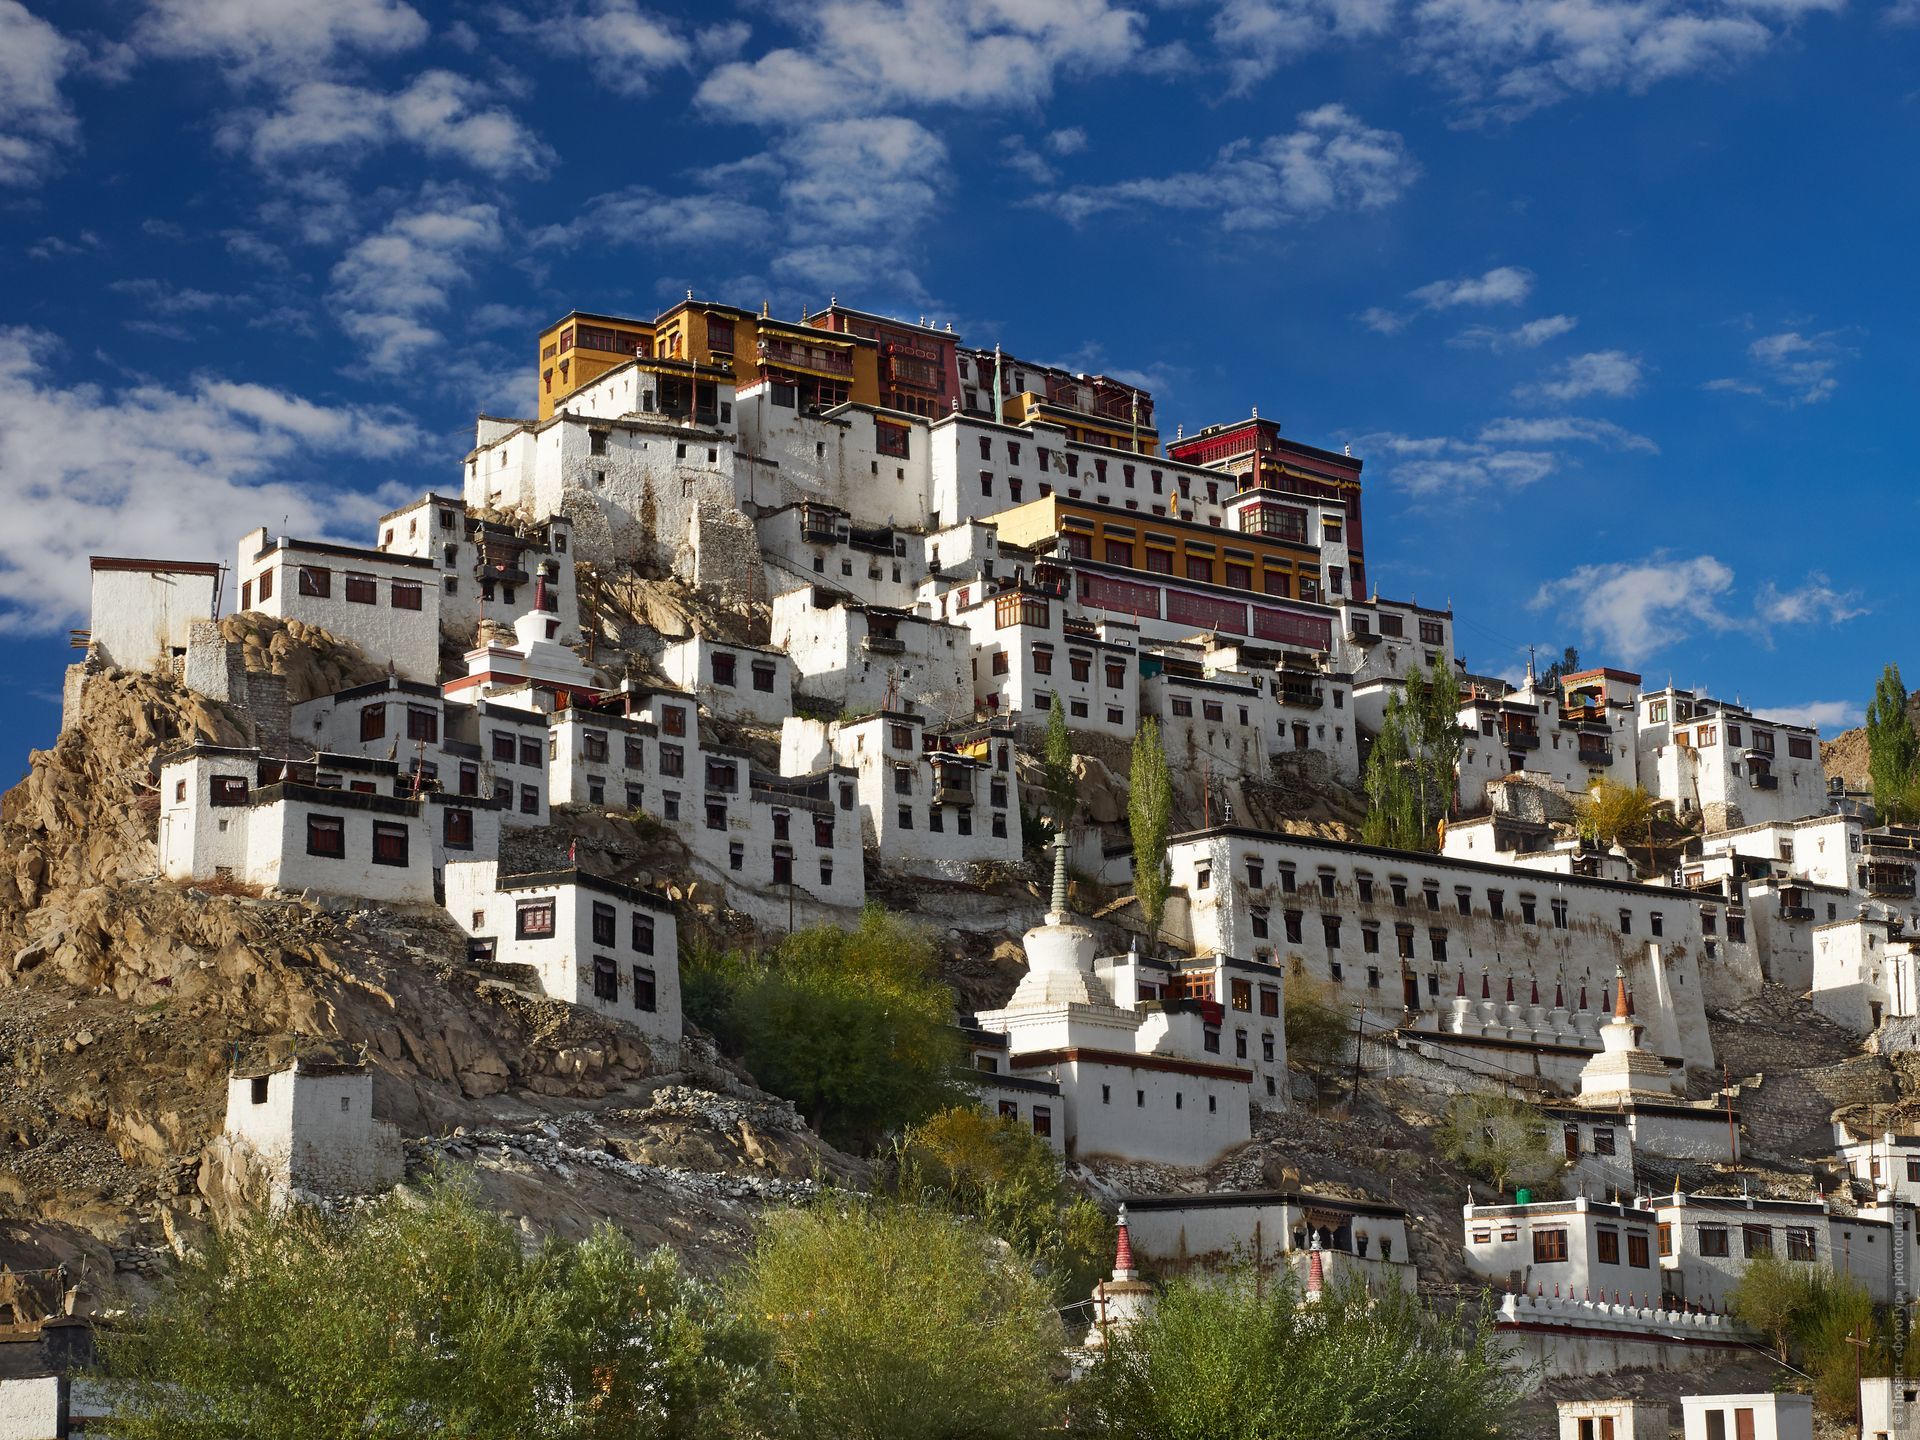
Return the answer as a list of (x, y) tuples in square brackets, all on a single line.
[(919, 373), (1258, 456)]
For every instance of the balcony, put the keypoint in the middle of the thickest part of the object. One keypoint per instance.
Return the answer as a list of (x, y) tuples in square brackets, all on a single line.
[(1597, 757), (1301, 697), (805, 357), (1521, 740), (1759, 780), (1363, 637), (1893, 882), (884, 645), (1796, 912)]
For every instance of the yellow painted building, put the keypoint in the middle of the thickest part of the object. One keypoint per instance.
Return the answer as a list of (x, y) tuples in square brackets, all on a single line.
[(1027, 408), (1174, 549), (822, 367), (580, 347)]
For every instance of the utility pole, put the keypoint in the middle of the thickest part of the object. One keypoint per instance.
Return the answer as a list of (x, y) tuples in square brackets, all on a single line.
[(1360, 1029)]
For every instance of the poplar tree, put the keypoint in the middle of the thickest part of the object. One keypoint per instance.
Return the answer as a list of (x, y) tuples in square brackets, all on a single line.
[(1149, 812), (1056, 765), (1893, 751), (1410, 771)]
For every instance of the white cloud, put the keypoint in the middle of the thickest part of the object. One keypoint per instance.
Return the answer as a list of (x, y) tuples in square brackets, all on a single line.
[(1815, 600), (1382, 321), (1639, 607), (152, 470), (1600, 372), (438, 113), (36, 123), (1473, 468), (390, 285), (1791, 368), (1070, 141), (1258, 36), (870, 56), (626, 47), (1507, 57), (1331, 162), (278, 40), (1530, 336), (1502, 285), (641, 215), (1826, 716), (1561, 429)]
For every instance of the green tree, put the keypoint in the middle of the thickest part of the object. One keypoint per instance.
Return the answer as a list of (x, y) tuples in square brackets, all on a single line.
[(1235, 1362), (898, 1322), (1503, 1139), (1612, 813), (1567, 664), (427, 1317), (999, 1172), (1393, 806), (1056, 768), (1411, 770), (1315, 1024), (852, 1025), (1149, 812), (1893, 751), (1820, 1323)]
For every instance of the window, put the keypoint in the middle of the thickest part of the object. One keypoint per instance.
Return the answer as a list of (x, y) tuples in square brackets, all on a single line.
[(1559, 914), (228, 790), (1603, 1140), (502, 747), (673, 720), (1293, 927), (1637, 1250), (1549, 1246), (1657, 923), (457, 829), (673, 761), (266, 585), (315, 580), (1330, 931), (1800, 1244), (327, 836), (406, 595), (529, 800), (1496, 904), (603, 923), (763, 676), (389, 843), (1269, 1001), (1666, 1239), (1713, 1240), (717, 817), (1626, 922), (362, 590), (1256, 873), (1370, 937), (1756, 1240), (724, 668), (373, 722), (635, 753), (1607, 1245), (1257, 916), (423, 724)]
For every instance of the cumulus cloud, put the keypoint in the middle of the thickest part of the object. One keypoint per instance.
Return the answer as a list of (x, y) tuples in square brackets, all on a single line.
[(1639, 607), (277, 40), (1383, 321), (438, 113), (168, 472), (1070, 141), (626, 47), (37, 124), (871, 56), (1612, 373), (390, 286), (1502, 285), (1330, 162), (1529, 336), (1791, 368)]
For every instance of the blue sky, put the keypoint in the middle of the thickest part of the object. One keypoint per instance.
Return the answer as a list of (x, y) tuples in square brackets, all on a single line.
[(1616, 300)]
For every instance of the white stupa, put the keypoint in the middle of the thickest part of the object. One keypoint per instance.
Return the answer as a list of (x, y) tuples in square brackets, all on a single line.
[(1624, 1071)]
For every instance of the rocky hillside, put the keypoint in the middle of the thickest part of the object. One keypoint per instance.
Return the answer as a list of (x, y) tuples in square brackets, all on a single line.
[(126, 997)]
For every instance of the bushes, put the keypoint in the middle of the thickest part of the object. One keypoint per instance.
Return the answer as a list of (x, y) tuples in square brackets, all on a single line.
[(1231, 1362), (853, 1026), (1003, 1175), (429, 1318), (895, 1322), (1316, 1025)]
